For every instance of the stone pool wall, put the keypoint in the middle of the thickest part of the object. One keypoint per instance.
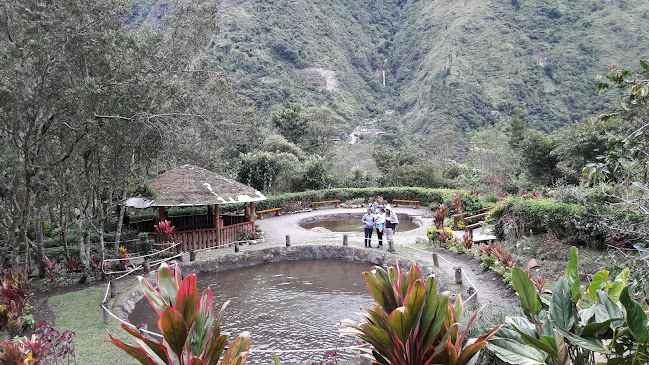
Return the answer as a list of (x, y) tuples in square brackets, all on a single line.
[(125, 302)]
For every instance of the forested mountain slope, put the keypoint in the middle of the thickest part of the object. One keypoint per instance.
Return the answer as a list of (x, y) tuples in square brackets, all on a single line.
[(449, 65)]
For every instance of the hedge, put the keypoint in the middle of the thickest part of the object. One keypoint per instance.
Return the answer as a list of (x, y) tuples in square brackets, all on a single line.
[(424, 195), (571, 223)]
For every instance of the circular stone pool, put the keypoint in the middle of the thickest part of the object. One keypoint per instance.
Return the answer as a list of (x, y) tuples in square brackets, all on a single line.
[(351, 222), (285, 306)]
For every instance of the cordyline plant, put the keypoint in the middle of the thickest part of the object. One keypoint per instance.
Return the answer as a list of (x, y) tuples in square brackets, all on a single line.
[(413, 324), (440, 215), (188, 325)]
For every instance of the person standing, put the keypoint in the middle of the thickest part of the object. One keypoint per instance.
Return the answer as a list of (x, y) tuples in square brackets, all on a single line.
[(379, 223), (368, 221), (391, 221), (375, 206)]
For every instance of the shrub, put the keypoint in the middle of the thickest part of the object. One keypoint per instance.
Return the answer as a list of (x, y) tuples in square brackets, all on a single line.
[(560, 331), (412, 324), (570, 223), (435, 234), (188, 324), (425, 195)]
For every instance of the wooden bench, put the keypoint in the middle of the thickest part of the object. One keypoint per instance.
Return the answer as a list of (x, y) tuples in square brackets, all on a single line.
[(415, 202), (315, 204), (261, 212), (456, 217)]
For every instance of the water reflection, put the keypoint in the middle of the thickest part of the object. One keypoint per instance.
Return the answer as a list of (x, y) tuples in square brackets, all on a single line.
[(285, 306)]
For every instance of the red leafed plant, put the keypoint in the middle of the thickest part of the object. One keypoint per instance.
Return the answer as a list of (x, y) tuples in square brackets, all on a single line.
[(164, 229), (188, 325), (13, 297), (412, 324), (457, 201), (70, 264), (540, 281), (467, 241), (440, 215), (46, 346)]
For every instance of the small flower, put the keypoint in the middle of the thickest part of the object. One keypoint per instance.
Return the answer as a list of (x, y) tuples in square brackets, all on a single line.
[(556, 244)]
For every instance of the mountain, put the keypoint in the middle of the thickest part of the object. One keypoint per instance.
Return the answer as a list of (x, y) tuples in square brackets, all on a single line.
[(450, 65)]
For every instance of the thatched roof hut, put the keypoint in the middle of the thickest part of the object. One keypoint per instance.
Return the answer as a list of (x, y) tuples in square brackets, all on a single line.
[(190, 185), (187, 186)]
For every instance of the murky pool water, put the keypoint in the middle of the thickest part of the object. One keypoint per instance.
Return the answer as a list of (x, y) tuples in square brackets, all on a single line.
[(285, 306), (353, 224)]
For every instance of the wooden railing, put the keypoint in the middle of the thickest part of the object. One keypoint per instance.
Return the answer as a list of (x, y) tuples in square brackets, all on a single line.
[(458, 217), (210, 237)]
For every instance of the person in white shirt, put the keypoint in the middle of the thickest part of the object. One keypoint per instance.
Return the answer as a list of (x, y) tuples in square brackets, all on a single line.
[(391, 221), (379, 223)]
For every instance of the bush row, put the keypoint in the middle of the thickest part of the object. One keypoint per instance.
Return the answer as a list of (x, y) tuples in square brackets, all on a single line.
[(571, 223), (424, 195)]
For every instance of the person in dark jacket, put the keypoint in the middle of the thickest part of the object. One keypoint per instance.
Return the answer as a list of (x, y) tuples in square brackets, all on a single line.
[(368, 222)]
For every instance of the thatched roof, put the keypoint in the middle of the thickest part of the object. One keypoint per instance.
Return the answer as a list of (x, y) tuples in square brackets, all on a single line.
[(189, 185)]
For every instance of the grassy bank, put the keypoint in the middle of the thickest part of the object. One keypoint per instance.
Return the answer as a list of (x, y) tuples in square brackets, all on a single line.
[(80, 312)]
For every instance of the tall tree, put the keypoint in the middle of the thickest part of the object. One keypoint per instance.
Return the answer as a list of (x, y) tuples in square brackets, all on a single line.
[(290, 122), (90, 102)]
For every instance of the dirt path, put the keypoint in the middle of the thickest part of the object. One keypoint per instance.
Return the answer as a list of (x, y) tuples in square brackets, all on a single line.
[(489, 284)]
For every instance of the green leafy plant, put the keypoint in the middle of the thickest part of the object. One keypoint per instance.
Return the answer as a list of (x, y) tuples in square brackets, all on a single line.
[(559, 331), (188, 325), (441, 235), (412, 323)]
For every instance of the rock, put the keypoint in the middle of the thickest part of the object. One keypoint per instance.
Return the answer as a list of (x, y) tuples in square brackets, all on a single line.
[(532, 263), (421, 240)]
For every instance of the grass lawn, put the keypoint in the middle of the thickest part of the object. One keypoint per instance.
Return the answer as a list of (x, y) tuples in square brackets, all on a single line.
[(80, 312)]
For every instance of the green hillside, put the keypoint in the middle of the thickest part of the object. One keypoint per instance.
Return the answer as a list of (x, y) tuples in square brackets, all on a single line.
[(451, 66)]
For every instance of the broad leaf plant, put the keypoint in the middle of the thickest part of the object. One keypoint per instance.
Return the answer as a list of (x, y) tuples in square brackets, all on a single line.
[(559, 331), (190, 329), (412, 324)]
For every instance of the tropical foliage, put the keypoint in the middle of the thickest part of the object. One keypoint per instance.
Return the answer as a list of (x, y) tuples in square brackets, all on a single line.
[(562, 331), (413, 324), (190, 329)]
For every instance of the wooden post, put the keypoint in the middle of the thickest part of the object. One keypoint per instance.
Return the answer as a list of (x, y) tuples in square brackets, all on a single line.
[(106, 314), (473, 295), (236, 246), (217, 224), (345, 239), (458, 275), (192, 255), (252, 211), (113, 289), (288, 241), (146, 267), (435, 259), (162, 214)]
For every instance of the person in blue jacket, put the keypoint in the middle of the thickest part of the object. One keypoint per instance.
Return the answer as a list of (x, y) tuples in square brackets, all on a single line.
[(368, 222)]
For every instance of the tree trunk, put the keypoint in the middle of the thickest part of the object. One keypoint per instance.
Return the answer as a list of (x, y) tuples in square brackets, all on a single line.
[(120, 220), (38, 225), (81, 239), (63, 223)]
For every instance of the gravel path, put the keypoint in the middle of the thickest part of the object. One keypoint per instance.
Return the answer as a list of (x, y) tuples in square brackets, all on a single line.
[(488, 284)]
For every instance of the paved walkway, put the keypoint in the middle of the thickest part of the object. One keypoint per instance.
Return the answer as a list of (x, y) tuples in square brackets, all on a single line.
[(276, 228)]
